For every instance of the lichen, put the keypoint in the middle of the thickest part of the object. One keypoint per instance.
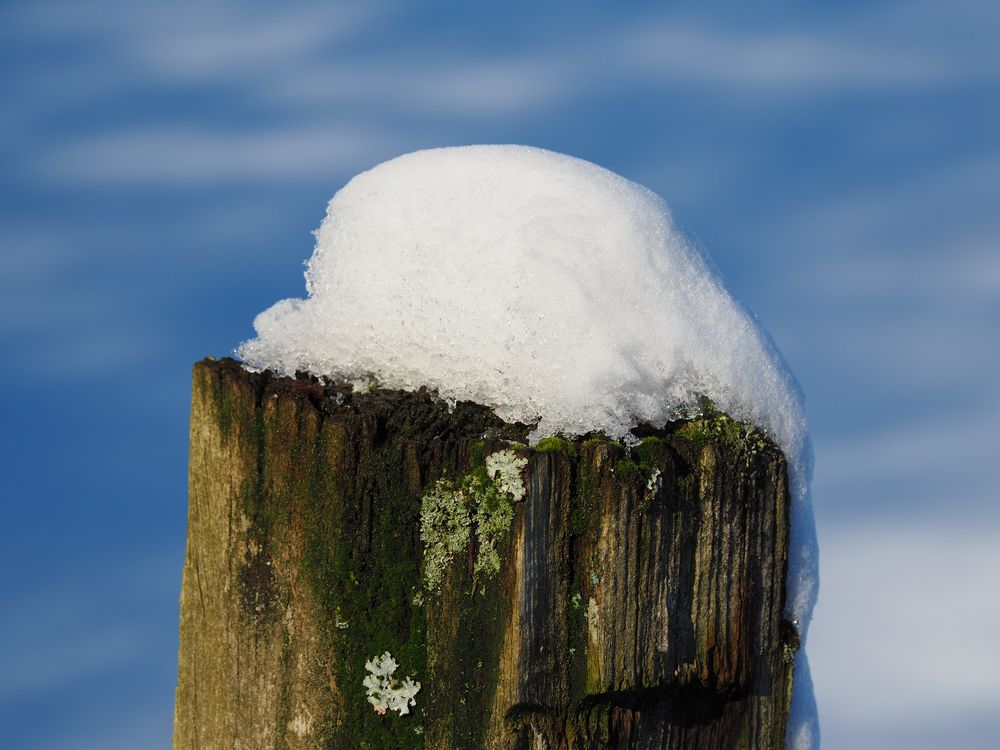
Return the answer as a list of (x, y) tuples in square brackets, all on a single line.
[(493, 515), (445, 525), (653, 484), (386, 693), (481, 502), (505, 468)]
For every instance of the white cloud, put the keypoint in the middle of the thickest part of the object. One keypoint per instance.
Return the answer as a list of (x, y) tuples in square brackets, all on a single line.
[(36, 667), (905, 631), (184, 156), (772, 62), (144, 725), (441, 87), (937, 457), (312, 65)]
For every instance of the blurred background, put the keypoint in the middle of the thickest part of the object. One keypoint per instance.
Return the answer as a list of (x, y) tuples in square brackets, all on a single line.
[(164, 164)]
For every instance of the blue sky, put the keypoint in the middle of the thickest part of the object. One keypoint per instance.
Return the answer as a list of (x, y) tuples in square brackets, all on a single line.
[(163, 166)]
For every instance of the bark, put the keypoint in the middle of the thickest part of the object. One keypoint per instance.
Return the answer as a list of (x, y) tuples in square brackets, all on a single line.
[(638, 602)]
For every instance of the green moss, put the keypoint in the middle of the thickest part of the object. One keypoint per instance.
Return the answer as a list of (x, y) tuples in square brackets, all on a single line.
[(716, 427), (626, 469), (713, 428), (548, 444), (556, 444), (582, 504), (647, 450), (584, 501), (223, 398), (477, 451), (694, 432), (361, 570)]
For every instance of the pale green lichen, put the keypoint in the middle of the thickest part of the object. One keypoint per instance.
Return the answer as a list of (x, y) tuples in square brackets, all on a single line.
[(482, 501), (445, 527)]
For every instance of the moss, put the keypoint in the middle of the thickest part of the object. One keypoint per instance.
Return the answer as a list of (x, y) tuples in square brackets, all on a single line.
[(717, 427), (221, 392), (626, 469), (582, 503), (464, 650), (556, 444), (647, 450), (712, 428), (477, 452), (366, 577)]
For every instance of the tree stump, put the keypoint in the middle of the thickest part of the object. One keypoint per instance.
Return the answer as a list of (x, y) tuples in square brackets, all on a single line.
[(631, 597)]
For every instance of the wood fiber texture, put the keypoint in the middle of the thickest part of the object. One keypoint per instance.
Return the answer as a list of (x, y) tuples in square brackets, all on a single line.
[(638, 602)]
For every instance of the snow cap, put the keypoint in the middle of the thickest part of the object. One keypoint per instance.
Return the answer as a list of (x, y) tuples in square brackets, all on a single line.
[(546, 287)]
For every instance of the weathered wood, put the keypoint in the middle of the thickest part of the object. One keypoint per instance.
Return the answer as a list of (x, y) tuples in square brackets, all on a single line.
[(638, 602)]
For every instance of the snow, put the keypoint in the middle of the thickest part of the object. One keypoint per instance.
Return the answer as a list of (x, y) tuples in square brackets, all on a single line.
[(549, 288)]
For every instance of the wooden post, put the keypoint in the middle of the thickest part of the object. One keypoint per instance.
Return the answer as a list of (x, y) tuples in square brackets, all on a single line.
[(637, 601)]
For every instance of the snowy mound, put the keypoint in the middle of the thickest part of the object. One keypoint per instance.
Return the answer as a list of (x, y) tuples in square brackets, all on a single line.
[(544, 286)]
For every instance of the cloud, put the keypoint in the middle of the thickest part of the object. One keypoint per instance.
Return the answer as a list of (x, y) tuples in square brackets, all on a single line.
[(145, 725), (905, 631), (46, 667), (433, 86), (819, 54), (312, 65), (184, 157), (930, 463)]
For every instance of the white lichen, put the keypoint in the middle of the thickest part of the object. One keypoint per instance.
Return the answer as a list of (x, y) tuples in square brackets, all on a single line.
[(653, 484), (505, 468), (385, 693)]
